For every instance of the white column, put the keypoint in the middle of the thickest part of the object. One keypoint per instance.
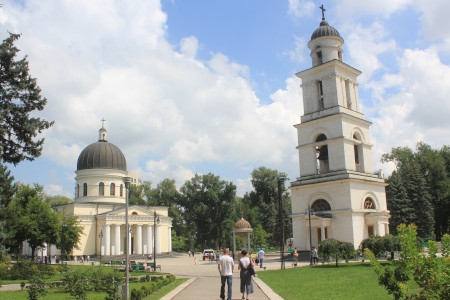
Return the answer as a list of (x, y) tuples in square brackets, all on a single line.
[(322, 233), (107, 240), (117, 240), (150, 238), (138, 239), (169, 232), (158, 239)]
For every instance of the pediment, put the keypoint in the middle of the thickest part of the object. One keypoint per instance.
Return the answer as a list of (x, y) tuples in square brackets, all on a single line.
[(132, 210)]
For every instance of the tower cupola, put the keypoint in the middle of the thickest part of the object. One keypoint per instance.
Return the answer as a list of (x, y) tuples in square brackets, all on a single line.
[(326, 43)]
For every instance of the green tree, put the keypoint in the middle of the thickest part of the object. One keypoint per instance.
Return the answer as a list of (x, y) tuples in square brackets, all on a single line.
[(7, 190), (430, 276), (57, 200), (69, 234), (20, 97), (264, 198), (138, 193), (207, 204), (399, 204), (30, 219), (336, 250)]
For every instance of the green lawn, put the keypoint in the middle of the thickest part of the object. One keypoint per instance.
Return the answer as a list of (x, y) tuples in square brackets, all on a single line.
[(348, 281)]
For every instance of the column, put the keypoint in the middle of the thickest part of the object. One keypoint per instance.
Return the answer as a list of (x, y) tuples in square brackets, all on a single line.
[(248, 241), (169, 232), (150, 238), (158, 239), (138, 239), (117, 240), (101, 242), (322, 233), (107, 240)]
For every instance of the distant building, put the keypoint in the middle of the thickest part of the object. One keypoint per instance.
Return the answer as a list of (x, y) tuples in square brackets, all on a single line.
[(100, 207), (337, 182)]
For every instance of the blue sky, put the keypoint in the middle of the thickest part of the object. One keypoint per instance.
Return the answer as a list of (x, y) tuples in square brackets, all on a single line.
[(208, 86)]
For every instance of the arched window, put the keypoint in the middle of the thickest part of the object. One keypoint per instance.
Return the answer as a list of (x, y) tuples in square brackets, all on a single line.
[(357, 150), (85, 189), (321, 205), (322, 155), (121, 190), (321, 104), (78, 190), (369, 203), (112, 189), (101, 189)]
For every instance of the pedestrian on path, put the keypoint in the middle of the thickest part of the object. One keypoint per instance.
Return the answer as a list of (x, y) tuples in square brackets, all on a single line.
[(226, 268), (261, 254), (246, 277)]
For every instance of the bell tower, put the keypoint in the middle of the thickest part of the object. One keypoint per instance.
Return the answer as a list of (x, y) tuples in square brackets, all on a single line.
[(337, 181)]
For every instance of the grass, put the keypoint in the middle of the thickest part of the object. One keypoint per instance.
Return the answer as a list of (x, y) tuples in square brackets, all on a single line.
[(348, 281)]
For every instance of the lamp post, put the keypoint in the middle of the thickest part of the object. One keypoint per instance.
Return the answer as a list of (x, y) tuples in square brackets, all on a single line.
[(310, 234), (156, 220), (280, 208), (100, 235), (127, 181)]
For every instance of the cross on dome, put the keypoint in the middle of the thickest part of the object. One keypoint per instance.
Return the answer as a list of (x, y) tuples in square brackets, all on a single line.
[(323, 11)]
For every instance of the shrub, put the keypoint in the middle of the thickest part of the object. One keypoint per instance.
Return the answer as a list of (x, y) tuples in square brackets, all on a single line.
[(445, 244), (36, 288), (23, 269)]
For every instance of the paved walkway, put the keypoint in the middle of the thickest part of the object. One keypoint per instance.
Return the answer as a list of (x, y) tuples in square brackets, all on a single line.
[(204, 279)]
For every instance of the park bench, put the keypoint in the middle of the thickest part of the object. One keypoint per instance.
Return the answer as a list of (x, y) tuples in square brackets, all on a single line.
[(151, 265)]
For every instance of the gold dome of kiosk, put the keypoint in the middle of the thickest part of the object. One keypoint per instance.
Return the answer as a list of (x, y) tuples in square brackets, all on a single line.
[(242, 228)]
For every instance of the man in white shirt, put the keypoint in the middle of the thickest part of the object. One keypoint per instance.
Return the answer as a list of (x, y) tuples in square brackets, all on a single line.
[(226, 268), (261, 257)]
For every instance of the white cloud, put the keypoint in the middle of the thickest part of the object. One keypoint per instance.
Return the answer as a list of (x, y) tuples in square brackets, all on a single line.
[(300, 8)]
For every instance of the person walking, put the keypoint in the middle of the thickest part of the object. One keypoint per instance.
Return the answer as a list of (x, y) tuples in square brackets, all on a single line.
[(246, 278), (315, 255), (261, 254), (226, 268), (295, 257)]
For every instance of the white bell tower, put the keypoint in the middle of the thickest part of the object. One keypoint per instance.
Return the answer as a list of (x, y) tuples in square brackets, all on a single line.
[(337, 181)]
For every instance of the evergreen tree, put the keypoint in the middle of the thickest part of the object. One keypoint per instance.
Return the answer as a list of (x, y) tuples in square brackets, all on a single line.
[(19, 97), (422, 202), (398, 203), (7, 190)]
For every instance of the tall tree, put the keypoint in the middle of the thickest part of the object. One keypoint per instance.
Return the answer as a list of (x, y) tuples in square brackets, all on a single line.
[(264, 198), (69, 235), (7, 190), (19, 97), (207, 204), (399, 203)]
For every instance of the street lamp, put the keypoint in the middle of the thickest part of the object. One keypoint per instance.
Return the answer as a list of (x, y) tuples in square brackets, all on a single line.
[(310, 212), (280, 208), (156, 220), (127, 181), (101, 244)]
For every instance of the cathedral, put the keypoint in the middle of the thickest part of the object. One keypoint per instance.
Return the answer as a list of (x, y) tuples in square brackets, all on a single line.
[(102, 183), (338, 195)]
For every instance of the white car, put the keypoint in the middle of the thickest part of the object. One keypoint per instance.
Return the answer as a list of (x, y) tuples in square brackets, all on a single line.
[(208, 253)]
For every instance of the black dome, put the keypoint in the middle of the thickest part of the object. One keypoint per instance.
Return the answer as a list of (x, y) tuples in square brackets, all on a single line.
[(102, 155), (325, 30)]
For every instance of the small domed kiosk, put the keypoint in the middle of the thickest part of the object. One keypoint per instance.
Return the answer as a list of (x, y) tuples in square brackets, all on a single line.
[(243, 229)]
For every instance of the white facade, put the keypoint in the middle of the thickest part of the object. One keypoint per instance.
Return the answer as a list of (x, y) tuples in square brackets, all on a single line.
[(337, 181)]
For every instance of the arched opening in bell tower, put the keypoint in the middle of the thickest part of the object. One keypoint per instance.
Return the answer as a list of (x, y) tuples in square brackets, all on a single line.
[(322, 155)]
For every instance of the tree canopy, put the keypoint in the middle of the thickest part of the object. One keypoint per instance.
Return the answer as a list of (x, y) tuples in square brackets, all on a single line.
[(20, 96)]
